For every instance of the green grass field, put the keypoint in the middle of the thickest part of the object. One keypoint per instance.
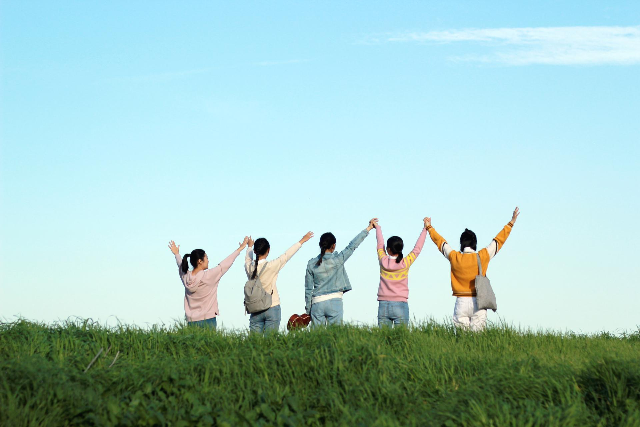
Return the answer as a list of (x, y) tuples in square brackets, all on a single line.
[(351, 376)]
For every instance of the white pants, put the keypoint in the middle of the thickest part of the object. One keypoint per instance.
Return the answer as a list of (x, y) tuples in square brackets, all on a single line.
[(467, 316)]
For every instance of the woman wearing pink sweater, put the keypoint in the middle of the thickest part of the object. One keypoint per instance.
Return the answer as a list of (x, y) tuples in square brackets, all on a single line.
[(393, 292), (201, 283)]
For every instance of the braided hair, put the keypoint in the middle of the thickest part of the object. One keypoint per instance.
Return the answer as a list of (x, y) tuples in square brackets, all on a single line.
[(195, 255), (326, 241), (396, 245), (260, 247)]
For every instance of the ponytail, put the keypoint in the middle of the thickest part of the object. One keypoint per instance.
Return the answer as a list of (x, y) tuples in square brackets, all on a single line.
[(260, 247), (322, 251), (185, 264), (255, 270), (399, 258), (326, 241), (195, 255)]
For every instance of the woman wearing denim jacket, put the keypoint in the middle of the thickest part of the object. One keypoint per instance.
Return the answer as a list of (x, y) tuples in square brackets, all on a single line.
[(326, 279)]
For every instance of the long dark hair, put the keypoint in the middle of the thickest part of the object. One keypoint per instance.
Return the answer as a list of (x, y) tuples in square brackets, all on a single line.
[(260, 247), (468, 239), (396, 245), (326, 241), (195, 255)]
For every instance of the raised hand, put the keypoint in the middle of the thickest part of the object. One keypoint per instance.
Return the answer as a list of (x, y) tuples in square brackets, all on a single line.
[(250, 242), (373, 223), (174, 249), (243, 243), (516, 212), (306, 237), (426, 221)]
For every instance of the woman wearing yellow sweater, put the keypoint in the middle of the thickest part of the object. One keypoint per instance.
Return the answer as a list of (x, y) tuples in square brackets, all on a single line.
[(464, 269)]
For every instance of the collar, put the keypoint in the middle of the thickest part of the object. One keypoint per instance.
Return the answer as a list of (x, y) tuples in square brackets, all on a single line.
[(393, 257), (468, 250), (262, 261)]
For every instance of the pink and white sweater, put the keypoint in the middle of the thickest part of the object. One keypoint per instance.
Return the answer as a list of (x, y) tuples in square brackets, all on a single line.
[(201, 290), (394, 277)]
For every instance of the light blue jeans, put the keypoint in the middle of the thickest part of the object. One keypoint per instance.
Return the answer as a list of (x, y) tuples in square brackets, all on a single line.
[(327, 312), (393, 313), (267, 320), (206, 323)]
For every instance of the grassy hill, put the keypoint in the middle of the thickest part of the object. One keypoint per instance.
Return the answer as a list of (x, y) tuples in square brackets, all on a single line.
[(351, 376)]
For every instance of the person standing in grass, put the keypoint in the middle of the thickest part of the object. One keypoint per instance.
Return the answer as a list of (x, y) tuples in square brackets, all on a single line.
[(269, 319), (326, 279), (464, 269), (393, 291), (201, 283)]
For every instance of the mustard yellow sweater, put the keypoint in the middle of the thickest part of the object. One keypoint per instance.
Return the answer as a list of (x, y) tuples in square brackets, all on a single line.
[(464, 265)]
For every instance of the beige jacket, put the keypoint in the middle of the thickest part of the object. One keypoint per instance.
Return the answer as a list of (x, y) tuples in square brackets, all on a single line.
[(269, 276)]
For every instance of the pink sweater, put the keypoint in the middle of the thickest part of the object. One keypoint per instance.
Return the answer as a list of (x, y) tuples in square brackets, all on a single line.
[(201, 290), (394, 277)]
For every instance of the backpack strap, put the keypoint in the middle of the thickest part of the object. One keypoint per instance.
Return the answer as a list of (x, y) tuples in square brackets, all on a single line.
[(479, 265), (263, 267)]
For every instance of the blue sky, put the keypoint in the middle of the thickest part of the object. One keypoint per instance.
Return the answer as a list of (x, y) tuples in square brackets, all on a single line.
[(127, 124)]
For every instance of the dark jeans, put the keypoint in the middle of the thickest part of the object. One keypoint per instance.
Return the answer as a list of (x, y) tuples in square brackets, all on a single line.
[(206, 323)]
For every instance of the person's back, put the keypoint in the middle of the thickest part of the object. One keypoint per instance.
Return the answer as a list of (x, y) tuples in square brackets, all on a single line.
[(326, 279), (393, 290), (269, 319), (201, 283), (464, 269), (329, 275)]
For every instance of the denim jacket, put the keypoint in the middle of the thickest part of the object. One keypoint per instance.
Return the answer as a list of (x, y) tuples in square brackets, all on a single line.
[(330, 276)]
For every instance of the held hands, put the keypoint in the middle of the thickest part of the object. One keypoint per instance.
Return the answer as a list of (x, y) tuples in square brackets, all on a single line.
[(174, 249), (515, 215), (373, 223), (243, 243), (427, 222), (250, 242), (306, 237)]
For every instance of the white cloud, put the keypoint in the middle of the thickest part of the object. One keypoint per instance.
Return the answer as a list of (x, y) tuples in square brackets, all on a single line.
[(539, 45)]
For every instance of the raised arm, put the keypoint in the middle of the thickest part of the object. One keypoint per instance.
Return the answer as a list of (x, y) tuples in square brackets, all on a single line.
[(353, 245), (175, 250), (285, 257), (248, 257), (219, 270), (308, 290), (439, 241), (411, 257), (380, 242), (498, 241)]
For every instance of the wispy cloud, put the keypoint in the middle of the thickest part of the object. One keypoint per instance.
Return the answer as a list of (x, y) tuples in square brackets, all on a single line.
[(537, 45)]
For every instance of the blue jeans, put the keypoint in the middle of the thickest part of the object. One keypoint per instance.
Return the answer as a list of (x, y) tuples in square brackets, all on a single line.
[(206, 323), (327, 312), (393, 313), (267, 320)]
